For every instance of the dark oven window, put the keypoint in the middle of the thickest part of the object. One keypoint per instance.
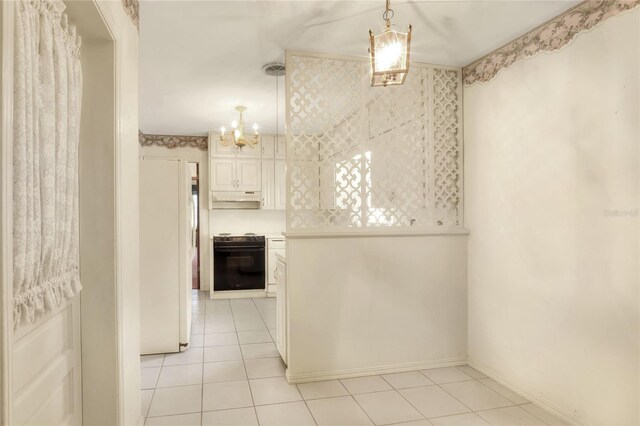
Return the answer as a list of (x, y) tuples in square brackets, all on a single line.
[(238, 267)]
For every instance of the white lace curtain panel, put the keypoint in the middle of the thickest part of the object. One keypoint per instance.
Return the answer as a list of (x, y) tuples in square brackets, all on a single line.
[(47, 104)]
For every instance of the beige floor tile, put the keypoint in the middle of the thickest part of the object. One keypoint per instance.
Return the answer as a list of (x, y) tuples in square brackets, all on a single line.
[(221, 396), (432, 401), (180, 375), (176, 400), (471, 371), (546, 417), (196, 340), (250, 325), (260, 336), (145, 400), (446, 375), (287, 414), (387, 407), (220, 339), (232, 417), (366, 384), (326, 389), (339, 411), (147, 361), (149, 377), (260, 368), (192, 419), (219, 326), (273, 391), (222, 353), (223, 371), (411, 379), (504, 391), (190, 356), (467, 419), (476, 396), (259, 350), (510, 416)]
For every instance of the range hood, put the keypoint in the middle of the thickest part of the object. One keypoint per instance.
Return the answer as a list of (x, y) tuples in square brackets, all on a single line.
[(234, 200)]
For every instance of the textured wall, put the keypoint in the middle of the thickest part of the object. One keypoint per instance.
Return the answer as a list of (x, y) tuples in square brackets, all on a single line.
[(551, 186)]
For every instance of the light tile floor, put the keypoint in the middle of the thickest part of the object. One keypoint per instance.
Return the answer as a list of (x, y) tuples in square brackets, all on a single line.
[(232, 375)]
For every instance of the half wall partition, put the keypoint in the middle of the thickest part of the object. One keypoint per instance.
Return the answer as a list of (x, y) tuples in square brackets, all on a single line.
[(376, 250)]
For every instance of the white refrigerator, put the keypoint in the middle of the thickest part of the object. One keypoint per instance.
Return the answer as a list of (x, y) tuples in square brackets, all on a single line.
[(167, 247)]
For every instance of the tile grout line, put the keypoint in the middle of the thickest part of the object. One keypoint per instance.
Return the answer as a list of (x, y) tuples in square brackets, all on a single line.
[(244, 365), (403, 397)]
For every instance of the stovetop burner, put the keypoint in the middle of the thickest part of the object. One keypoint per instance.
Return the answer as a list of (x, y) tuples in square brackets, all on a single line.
[(225, 234), (250, 233)]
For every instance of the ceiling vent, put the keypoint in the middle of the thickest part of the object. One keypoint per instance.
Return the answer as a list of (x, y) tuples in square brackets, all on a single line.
[(274, 69)]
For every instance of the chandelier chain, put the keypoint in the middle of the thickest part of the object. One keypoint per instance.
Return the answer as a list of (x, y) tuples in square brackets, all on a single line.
[(388, 13)]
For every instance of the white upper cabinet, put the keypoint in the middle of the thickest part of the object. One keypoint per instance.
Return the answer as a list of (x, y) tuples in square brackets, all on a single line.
[(280, 180), (281, 147), (249, 151), (248, 175), (217, 149), (268, 146), (222, 174), (268, 182)]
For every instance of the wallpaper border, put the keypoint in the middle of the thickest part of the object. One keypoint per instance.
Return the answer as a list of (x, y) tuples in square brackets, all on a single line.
[(132, 8), (550, 36), (172, 141)]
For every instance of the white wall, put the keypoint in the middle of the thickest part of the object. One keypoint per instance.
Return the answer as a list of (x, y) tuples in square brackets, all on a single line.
[(241, 221), (375, 304), (551, 144)]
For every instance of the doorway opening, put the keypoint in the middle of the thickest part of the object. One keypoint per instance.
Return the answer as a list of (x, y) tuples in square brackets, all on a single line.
[(195, 262)]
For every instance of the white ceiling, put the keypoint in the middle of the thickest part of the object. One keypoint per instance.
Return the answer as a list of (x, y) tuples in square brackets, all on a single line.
[(199, 59)]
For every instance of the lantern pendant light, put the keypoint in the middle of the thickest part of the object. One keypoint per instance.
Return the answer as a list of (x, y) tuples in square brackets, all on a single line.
[(389, 53)]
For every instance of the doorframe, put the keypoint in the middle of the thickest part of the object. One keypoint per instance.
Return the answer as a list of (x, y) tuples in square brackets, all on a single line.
[(124, 397), (6, 207)]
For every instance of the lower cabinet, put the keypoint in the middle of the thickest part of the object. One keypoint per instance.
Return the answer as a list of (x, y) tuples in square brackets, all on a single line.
[(281, 309)]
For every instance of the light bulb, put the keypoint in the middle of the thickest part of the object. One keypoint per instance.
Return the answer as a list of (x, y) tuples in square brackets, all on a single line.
[(388, 56), (255, 128), (234, 124), (237, 133), (222, 130)]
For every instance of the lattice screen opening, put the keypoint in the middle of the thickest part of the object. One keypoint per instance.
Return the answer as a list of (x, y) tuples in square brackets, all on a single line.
[(363, 157)]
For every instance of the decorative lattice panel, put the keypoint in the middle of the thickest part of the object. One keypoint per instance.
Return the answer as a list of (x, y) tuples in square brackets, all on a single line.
[(363, 157)]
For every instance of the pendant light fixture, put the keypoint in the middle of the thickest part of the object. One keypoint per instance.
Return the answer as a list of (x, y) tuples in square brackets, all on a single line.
[(237, 136), (389, 53)]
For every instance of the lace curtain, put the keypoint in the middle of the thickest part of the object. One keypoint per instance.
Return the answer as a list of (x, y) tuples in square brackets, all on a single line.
[(46, 112)]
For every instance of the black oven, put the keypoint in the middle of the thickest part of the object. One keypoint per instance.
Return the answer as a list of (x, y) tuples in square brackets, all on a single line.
[(238, 263)]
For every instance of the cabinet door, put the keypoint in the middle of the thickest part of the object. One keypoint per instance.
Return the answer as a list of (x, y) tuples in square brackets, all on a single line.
[(280, 173), (281, 147), (281, 310), (268, 146), (218, 149), (248, 175), (268, 181), (251, 151), (222, 174), (271, 266)]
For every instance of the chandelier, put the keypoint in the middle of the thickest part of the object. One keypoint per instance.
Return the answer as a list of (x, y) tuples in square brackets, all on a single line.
[(389, 53), (237, 136)]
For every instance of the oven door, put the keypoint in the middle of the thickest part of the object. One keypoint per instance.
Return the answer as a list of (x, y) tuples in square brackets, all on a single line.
[(238, 267)]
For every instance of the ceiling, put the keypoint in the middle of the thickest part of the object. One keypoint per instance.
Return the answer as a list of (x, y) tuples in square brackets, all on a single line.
[(199, 59)]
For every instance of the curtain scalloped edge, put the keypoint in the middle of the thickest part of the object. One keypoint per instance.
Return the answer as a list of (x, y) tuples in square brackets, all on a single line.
[(32, 305)]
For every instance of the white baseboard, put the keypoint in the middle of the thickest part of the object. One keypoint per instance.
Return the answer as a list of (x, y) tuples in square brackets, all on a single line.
[(543, 403), (371, 371)]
